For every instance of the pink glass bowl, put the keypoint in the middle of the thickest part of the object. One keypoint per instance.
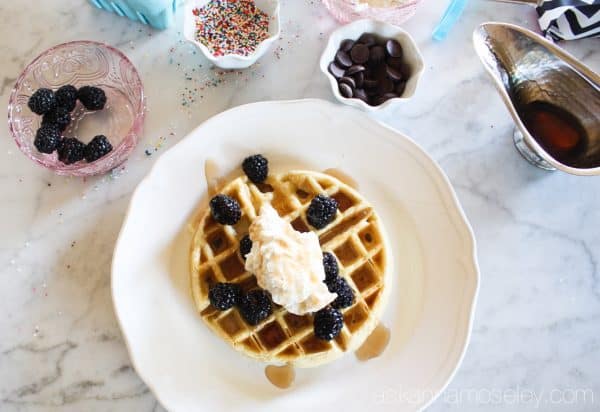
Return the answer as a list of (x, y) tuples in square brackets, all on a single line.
[(82, 63), (346, 11)]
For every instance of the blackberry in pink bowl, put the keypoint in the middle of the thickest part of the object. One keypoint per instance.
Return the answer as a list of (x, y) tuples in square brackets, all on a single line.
[(48, 137), (102, 98)]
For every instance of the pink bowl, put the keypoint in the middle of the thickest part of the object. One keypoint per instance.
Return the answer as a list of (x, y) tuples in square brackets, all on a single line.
[(82, 63), (345, 11)]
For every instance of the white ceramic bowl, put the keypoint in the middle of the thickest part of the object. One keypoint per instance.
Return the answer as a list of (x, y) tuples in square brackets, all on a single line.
[(432, 296), (233, 61), (412, 56)]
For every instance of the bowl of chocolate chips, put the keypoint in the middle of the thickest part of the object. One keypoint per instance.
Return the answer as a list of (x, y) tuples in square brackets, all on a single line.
[(372, 65)]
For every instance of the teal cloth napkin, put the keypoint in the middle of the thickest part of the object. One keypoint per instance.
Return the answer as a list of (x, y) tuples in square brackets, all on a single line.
[(157, 13)]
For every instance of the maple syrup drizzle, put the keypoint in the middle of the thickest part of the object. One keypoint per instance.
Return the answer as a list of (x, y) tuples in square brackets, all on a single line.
[(375, 344), (342, 177), (213, 178), (281, 376)]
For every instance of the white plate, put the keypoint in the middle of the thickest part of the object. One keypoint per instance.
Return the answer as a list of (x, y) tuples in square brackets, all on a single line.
[(432, 299)]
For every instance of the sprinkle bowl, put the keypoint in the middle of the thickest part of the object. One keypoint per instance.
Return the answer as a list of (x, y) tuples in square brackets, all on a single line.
[(412, 57), (233, 61), (81, 63)]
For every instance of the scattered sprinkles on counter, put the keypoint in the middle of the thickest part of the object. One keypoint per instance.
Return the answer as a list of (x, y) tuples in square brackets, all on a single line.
[(200, 80), (231, 26), (154, 145)]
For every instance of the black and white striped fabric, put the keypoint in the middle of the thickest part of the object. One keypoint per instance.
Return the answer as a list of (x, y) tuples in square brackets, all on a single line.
[(569, 19)]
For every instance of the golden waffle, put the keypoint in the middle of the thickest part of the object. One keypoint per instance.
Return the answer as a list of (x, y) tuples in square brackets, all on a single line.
[(355, 237)]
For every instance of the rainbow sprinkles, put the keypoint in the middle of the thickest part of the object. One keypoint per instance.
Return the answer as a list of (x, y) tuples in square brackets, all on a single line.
[(231, 26)]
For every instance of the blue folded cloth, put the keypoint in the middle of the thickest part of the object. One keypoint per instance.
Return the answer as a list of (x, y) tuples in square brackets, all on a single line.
[(157, 13), (449, 19)]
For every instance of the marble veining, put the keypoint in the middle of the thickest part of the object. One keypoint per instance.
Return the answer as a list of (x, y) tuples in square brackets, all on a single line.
[(536, 324)]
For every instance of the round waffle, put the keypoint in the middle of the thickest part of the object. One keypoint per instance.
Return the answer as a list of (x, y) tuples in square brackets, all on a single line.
[(355, 237)]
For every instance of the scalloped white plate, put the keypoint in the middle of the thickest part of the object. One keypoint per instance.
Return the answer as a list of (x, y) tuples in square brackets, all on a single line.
[(432, 300)]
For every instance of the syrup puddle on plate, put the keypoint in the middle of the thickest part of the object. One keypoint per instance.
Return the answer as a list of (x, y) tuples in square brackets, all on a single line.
[(213, 178), (375, 344), (281, 376), (342, 177), (216, 178)]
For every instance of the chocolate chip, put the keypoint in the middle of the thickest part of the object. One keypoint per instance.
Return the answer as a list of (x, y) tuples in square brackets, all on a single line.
[(380, 72), (376, 100), (346, 90), (357, 68), (368, 39), (374, 91), (400, 87), (393, 73), (342, 59), (393, 48), (346, 45), (377, 54), (380, 99), (395, 62), (349, 81), (336, 70), (370, 84), (385, 86), (360, 93), (359, 79), (406, 70), (359, 53)]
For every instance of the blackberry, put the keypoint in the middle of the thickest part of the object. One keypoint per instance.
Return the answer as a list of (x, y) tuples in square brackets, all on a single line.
[(224, 295), (93, 98), (255, 306), (321, 211), (59, 116), (245, 246), (345, 293), (225, 210), (66, 97), (42, 101), (96, 148), (256, 168), (331, 267), (328, 323), (47, 138), (70, 150)]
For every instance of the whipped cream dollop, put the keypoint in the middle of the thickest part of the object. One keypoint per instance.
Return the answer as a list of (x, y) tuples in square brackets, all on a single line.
[(287, 263)]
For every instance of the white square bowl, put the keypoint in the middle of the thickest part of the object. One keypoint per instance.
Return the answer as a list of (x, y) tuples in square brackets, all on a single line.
[(353, 31)]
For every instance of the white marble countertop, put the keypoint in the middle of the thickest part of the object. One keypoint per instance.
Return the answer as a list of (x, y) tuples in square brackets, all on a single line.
[(537, 321)]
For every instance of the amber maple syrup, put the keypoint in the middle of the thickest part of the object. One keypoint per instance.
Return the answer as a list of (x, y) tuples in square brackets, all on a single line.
[(375, 344), (212, 175), (281, 376), (555, 129)]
